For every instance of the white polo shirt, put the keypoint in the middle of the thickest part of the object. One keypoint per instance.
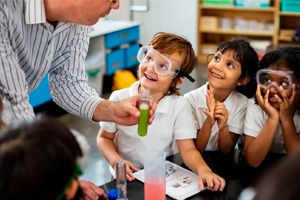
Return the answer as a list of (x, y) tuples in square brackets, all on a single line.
[(236, 105), (255, 120), (173, 121)]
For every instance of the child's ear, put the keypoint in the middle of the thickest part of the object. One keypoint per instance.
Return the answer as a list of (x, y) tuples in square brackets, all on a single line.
[(180, 80), (243, 80), (72, 189)]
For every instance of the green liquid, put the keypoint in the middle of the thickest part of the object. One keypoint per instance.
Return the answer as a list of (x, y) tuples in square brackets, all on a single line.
[(143, 119)]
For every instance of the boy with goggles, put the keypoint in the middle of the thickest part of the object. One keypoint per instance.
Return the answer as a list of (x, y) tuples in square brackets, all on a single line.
[(272, 123), (163, 65)]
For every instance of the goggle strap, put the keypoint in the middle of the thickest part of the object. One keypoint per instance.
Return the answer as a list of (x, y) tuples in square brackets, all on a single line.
[(181, 73)]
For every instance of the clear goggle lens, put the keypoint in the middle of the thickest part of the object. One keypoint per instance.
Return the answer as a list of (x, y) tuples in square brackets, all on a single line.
[(162, 65), (267, 78)]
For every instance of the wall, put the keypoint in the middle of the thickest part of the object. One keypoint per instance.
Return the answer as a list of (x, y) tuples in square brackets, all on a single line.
[(176, 16)]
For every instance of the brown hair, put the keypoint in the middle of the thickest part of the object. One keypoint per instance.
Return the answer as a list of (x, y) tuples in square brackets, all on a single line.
[(168, 43)]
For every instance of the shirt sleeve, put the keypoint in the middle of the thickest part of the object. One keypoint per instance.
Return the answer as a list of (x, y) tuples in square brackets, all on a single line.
[(184, 124), (237, 110), (110, 127), (194, 107), (13, 85), (68, 79), (254, 119)]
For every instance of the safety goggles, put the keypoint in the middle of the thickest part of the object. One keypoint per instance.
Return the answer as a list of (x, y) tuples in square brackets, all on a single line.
[(267, 78), (162, 65)]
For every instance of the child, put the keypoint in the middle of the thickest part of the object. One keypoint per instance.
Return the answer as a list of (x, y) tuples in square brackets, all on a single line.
[(163, 65), (272, 123), (39, 160), (279, 182), (219, 106)]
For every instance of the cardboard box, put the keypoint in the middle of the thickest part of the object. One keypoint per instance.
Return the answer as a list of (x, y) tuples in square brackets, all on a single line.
[(206, 49), (209, 23)]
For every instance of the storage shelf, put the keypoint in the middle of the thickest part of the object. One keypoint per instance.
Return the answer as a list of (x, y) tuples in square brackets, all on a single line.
[(285, 39), (235, 32), (236, 8), (271, 23), (292, 14)]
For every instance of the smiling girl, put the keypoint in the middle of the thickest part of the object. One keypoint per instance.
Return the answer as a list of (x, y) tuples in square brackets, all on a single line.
[(220, 105)]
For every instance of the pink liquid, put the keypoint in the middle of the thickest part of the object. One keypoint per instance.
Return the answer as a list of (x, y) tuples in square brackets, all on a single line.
[(155, 190)]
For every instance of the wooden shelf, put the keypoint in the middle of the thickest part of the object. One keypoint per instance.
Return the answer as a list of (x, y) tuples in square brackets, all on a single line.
[(211, 33), (235, 32), (236, 8), (289, 14)]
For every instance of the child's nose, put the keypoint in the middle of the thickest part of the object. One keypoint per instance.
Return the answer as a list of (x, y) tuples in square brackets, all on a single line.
[(151, 66), (218, 66), (274, 88)]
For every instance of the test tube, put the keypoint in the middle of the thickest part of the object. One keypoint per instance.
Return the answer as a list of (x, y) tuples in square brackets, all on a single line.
[(144, 112), (121, 180)]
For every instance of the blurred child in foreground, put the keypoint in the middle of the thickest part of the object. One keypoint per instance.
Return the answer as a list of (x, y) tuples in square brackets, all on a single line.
[(39, 159)]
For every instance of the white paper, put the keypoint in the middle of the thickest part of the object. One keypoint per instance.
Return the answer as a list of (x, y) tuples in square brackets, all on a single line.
[(180, 183)]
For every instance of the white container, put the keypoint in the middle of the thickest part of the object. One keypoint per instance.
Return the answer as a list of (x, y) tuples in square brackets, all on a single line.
[(95, 66), (226, 23), (240, 24)]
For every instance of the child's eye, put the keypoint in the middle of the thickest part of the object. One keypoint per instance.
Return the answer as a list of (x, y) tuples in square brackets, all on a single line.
[(217, 58), (230, 65), (163, 67), (284, 84), (267, 80), (148, 58)]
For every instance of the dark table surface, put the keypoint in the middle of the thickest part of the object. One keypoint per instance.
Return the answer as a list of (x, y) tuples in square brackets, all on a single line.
[(237, 178)]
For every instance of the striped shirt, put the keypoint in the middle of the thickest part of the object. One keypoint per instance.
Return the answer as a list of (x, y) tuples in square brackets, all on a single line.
[(31, 48)]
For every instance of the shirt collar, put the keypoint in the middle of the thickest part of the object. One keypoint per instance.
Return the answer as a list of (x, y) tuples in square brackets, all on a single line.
[(35, 12), (163, 105)]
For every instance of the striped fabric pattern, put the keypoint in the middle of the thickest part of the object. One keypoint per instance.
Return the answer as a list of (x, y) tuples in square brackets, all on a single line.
[(30, 48)]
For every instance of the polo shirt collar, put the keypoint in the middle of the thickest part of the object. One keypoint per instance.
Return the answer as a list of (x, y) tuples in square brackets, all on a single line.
[(35, 12), (164, 104)]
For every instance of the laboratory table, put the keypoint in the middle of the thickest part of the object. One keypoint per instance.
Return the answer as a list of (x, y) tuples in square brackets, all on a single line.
[(237, 177)]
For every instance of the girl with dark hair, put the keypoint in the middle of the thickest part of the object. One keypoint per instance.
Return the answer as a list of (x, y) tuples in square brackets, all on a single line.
[(220, 105), (272, 124)]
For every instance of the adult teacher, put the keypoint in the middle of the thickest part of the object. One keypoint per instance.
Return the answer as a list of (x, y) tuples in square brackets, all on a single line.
[(39, 37)]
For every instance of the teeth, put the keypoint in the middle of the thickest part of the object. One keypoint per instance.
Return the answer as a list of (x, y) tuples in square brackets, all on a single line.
[(216, 75), (149, 77), (273, 99)]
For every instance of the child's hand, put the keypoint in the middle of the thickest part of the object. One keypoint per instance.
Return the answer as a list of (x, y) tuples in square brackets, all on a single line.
[(263, 102), (221, 115), (130, 168), (210, 102), (211, 181), (287, 105)]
